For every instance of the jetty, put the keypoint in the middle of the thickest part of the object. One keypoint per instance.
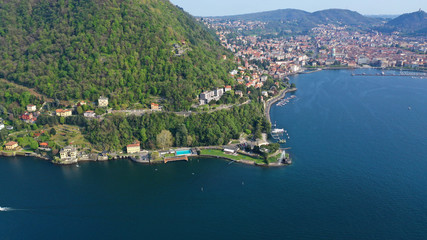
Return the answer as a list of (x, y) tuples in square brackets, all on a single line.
[(174, 159), (390, 75)]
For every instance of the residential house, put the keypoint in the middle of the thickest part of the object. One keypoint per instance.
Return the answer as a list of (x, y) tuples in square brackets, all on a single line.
[(81, 103), (155, 106), (227, 88), (1, 126), (264, 93), (64, 112), (68, 154), (11, 146), (133, 148), (238, 92), (264, 78), (103, 101), (89, 114), (28, 117), (44, 146), (31, 108)]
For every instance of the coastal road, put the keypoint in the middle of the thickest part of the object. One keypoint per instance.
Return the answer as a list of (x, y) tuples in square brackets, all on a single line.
[(140, 112)]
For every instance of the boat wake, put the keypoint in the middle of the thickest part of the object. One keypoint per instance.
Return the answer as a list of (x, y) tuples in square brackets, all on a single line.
[(6, 209)]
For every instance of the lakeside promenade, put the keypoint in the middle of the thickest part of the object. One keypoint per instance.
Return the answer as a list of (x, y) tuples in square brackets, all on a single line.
[(270, 102)]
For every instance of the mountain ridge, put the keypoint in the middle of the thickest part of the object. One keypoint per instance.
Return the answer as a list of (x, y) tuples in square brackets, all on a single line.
[(290, 14), (415, 22)]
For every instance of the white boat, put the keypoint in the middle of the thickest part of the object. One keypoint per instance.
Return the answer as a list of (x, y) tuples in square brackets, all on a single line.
[(4, 209), (278, 130)]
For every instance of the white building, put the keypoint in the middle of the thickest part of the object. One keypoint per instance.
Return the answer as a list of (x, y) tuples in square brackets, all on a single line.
[(68, 154), (89, 114), (31, 108), (103, 102), (206, 97), (1, 126)]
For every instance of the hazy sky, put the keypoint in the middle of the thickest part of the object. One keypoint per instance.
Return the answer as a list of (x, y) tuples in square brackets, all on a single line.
[(230, 7)]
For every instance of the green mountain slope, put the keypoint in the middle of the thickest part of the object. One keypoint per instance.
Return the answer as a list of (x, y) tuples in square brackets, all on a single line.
[(415, 22), (124, 49), (343, 17)]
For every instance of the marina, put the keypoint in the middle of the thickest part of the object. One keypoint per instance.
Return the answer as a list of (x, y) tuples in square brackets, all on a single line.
[(285, 101)]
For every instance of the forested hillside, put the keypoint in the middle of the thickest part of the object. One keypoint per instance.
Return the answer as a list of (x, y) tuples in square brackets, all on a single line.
[(126, 50)]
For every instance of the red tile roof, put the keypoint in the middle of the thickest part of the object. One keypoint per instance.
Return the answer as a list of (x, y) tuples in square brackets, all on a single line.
[(10, 143)]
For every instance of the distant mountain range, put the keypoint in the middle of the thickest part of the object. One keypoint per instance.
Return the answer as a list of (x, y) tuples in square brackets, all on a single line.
[(306, 20), (301, 21)]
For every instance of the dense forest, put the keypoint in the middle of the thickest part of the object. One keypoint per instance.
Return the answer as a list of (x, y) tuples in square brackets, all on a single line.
[(204, 129), (129, 51)]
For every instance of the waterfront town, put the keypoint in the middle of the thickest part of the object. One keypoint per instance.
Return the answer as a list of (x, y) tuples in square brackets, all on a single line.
[(325, 46)]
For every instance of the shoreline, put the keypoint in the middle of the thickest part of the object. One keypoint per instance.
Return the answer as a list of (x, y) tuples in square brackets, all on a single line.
[(270, 102), (246, 162)]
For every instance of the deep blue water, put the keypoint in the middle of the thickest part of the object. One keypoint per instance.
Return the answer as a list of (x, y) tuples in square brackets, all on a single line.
[(359, 172)]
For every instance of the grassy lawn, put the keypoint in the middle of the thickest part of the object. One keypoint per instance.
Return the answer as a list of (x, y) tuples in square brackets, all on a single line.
[(273, 159), (66, 134), (169, 155), (220, 153)]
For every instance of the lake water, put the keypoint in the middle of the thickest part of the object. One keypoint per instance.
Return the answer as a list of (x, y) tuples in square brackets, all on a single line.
[(359, 172)]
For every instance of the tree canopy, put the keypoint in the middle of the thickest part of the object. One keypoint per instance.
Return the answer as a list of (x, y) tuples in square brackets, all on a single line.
[(129, 51)]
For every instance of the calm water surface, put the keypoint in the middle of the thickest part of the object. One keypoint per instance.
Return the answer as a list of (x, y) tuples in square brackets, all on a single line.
[(359, 172)]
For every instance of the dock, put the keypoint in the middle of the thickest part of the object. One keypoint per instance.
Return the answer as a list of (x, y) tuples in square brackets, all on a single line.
[(174, 159), (389, 75)]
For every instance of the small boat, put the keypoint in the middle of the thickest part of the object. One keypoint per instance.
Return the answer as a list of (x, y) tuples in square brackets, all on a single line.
[(278, 130), (409, 108), (282, 141), (4, 209)]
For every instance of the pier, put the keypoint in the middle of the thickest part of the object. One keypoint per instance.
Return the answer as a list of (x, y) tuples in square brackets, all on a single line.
[(389, 75), (174, 159)]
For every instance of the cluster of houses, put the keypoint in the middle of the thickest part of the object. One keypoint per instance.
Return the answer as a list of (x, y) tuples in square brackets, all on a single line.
[(214, 95), (30, 116)]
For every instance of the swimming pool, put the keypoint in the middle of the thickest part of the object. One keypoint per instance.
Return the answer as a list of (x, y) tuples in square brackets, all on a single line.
[(183, 152)]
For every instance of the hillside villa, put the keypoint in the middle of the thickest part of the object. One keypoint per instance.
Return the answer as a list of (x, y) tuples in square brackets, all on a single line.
[(68, 154), (11, 146), (155, 106), (64, 112), (89, 114), (133, 148), (207, 96), (103, 101), (31, 108)]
